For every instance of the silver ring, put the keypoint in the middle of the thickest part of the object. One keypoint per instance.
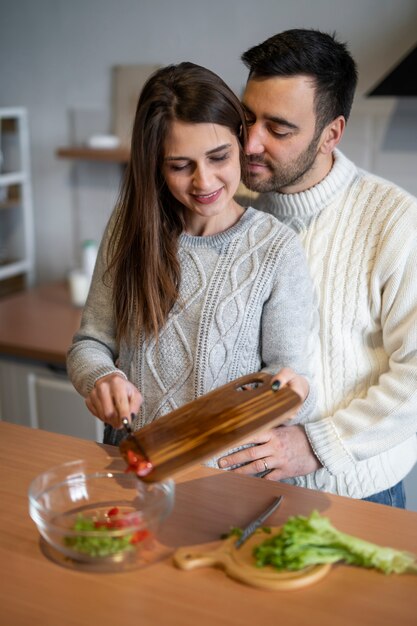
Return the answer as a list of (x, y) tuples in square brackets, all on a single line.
[(265, 465)]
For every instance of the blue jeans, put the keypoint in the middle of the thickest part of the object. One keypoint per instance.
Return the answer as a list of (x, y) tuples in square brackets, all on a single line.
[(395, 496)]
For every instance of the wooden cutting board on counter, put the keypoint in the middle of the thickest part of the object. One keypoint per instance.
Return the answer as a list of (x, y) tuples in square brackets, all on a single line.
[(212, 423), (239, 564)]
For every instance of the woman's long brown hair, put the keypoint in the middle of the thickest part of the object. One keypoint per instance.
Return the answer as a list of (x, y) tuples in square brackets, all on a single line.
[(142, 254)]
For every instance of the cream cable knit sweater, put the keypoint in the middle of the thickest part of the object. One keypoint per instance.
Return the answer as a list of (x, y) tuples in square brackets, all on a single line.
[(246, 298), (360, 236)]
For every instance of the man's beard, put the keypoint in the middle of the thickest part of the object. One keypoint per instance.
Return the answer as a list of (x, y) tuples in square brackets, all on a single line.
[(282, 176)]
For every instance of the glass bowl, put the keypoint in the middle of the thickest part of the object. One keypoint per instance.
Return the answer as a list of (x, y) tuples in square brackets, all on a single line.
[(98, 518)]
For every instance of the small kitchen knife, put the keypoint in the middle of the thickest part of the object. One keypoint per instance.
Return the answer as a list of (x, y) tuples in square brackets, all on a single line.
[(256, 523)]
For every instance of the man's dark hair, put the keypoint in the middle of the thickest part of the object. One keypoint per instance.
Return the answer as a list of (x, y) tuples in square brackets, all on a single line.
[(312, 53)]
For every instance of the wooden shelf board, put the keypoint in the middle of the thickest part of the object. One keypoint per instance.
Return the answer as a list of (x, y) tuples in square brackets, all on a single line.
[(116, 155)]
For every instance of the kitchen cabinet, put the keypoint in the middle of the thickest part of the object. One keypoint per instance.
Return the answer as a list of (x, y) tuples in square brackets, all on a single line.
[(41, 396), (16, 210), (36, 329)]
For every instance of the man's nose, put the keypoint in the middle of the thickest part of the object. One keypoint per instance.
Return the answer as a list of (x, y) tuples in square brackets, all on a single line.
[(254, 144)]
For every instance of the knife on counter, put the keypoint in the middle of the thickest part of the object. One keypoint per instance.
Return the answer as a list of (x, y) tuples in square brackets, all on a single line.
[(256, 523)]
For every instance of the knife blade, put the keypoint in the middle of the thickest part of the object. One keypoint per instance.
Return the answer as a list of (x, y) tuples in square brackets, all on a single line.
[(256, 523)]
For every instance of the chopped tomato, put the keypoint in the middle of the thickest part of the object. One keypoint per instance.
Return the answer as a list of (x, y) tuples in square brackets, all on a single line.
[(137, 464), (113, 511), (139, 535)]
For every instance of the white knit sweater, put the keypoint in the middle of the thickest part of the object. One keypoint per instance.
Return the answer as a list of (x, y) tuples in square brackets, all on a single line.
[(360, 237)]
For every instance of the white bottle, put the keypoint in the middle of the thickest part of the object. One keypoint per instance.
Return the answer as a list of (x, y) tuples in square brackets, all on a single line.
[(89, 257)]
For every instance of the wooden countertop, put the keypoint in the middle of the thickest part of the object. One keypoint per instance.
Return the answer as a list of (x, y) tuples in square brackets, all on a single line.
[(37, 591), (38, 323)]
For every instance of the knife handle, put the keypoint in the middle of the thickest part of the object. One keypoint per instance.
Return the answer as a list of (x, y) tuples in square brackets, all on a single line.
[(193, 558)]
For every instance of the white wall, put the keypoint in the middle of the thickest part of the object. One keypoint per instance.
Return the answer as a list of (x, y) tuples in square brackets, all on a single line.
[(57, 55)]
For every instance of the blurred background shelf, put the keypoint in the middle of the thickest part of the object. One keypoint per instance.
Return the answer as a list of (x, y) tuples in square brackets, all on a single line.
[(16, 206), (115, 155)]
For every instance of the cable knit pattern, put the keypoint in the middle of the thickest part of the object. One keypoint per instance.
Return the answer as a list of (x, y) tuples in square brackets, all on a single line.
[(245, 304), (359, 233)]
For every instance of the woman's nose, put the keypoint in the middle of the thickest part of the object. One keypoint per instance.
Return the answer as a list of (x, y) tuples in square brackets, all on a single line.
[(201, 178)]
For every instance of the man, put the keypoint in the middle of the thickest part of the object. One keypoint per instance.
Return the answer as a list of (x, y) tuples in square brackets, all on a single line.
[(360, 236)]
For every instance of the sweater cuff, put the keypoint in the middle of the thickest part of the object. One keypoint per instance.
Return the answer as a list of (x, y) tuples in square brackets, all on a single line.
[(328, 447), (308, 405), (100, 373)]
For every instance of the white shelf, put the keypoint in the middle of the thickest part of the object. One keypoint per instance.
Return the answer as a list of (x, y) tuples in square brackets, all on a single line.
[(16, 215), (12, 112), (14, 268), (14, 178)]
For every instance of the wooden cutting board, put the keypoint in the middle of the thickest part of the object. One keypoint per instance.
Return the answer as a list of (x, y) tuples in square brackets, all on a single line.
[(239, 564), (212, 423)]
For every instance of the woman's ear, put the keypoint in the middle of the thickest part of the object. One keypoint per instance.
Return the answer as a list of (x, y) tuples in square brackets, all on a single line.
[(332, 134)]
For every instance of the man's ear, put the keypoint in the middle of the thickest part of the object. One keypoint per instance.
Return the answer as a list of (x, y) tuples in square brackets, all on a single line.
[(332, 134)]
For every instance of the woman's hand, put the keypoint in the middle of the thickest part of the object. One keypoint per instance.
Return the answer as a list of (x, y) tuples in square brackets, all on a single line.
[(112, 399), (299, 384), (282, 452)]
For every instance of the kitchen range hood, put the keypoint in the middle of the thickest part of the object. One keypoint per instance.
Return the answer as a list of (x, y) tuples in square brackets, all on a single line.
[(401, 80)]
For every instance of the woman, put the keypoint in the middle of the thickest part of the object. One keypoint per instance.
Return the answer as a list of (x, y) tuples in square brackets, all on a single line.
[(190, 290)]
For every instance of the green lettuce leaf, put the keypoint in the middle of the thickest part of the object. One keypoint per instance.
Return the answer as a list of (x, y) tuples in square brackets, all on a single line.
[(313, 540)]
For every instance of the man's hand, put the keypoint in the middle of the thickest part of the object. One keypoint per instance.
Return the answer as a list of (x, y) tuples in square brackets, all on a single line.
[(113, 398), (285, 451)]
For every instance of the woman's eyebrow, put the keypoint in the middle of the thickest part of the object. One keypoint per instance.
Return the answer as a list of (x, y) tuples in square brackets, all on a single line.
[(224, 146), (219, 148), (176, 158)]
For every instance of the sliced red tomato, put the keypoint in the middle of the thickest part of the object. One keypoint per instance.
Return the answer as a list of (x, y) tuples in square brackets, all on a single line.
[(137, 464), (113, 511), (139, 535)]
